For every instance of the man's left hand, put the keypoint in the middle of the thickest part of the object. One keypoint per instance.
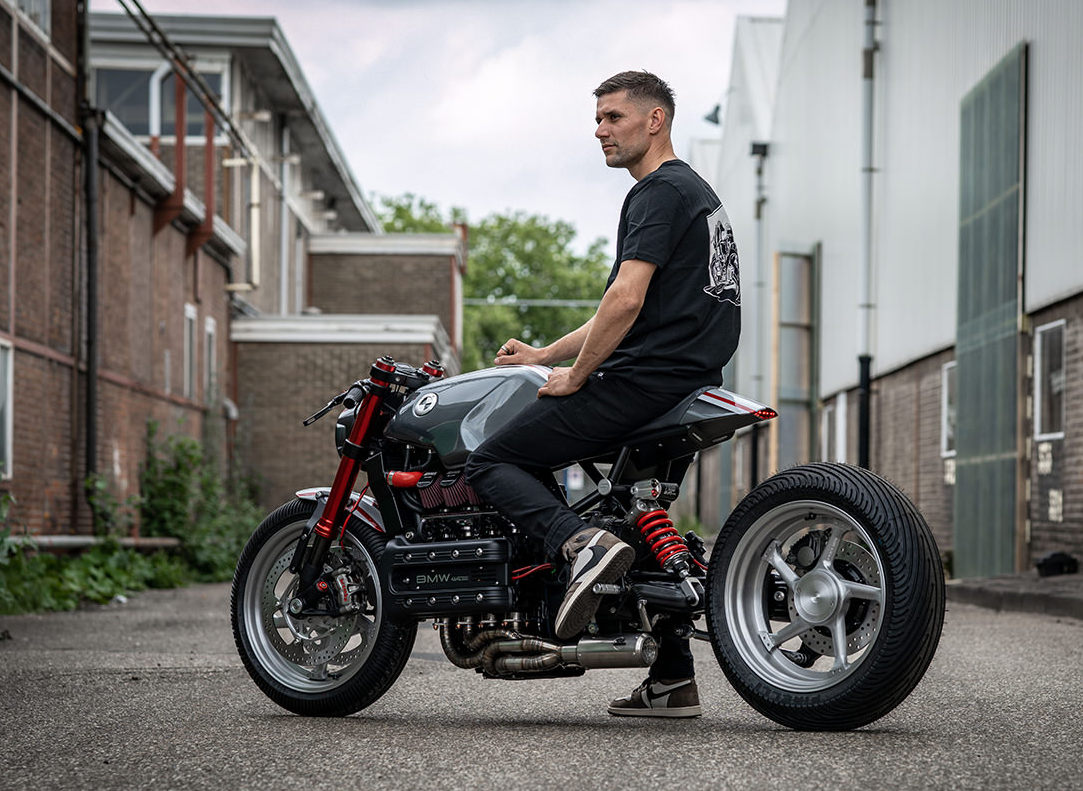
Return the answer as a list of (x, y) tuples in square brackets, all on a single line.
[(562, 382)]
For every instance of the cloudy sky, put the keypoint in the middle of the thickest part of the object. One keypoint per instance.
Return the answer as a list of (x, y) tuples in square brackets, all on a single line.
[(487, 104)]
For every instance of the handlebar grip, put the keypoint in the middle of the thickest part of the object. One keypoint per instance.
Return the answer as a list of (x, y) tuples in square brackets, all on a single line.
[(354, 396)]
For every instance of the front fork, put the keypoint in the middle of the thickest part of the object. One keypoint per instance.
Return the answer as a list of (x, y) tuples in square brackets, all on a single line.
[(328, 529)]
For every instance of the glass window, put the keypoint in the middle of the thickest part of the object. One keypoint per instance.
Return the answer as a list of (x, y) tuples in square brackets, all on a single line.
[(828, 433), (194, 110), (947, 409), (38, 13), (1049, 380), (189, 351), (6, 398), (126, 94), (210, 360)]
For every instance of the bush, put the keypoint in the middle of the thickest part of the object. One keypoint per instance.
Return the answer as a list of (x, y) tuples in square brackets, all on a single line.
[(183, 496)]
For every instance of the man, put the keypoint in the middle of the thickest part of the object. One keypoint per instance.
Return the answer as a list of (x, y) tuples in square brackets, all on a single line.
[(667, 323)]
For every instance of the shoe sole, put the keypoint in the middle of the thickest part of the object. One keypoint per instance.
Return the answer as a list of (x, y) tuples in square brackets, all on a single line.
[(681, 713), (574, 614)]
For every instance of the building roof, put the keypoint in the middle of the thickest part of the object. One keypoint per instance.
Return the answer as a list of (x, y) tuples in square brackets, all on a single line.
[(258, 42)]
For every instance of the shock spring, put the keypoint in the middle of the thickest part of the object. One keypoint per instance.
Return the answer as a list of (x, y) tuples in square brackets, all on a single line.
[(662, 538)]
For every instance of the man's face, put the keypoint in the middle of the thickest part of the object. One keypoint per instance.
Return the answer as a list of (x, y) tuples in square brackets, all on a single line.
[(623, 129)]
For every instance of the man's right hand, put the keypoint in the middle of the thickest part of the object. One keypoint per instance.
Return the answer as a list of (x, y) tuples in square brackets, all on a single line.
[(515, 352)]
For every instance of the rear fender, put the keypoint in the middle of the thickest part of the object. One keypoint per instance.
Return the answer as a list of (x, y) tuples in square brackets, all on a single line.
[(362, 506)]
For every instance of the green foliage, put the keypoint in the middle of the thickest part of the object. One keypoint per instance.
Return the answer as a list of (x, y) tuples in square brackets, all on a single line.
[(183, 496), (31, 581), (111, 518), (514, 255)]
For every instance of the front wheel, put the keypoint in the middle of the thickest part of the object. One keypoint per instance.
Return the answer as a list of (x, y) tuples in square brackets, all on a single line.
[(825, 597), (316, 665)]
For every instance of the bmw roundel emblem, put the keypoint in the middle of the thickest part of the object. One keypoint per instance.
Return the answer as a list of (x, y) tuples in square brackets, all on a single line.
[(424, 405)]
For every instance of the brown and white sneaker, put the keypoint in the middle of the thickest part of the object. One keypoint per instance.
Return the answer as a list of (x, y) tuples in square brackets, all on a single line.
[(596, 556), (678, 698)]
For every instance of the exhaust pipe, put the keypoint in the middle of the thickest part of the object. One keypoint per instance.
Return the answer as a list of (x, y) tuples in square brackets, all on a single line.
[(625, 650), (500, 651)]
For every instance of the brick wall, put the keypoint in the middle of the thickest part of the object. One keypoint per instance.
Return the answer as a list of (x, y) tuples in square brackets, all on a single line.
[(1056, 465), (280, 384), (415, 284), (905, 441)]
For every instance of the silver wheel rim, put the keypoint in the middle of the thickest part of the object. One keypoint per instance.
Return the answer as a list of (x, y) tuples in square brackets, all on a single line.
[(835, 605), (314, 654)]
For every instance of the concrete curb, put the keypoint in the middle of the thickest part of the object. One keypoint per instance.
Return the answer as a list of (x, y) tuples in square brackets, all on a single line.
[(1059, 596)]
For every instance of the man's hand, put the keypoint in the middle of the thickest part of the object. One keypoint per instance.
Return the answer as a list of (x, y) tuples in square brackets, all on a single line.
[(515, 352), (562, 382)]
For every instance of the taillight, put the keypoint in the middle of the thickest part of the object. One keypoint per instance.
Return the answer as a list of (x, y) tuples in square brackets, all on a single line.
[(766, 413)]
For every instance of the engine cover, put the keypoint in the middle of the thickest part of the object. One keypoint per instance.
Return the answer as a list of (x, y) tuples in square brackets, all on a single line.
[(447, 577)]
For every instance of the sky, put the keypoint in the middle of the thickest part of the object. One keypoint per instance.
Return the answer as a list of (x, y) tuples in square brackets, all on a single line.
[(488, 105)]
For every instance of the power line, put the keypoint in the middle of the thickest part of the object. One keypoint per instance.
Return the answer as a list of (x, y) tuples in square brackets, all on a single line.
[(531, 303)]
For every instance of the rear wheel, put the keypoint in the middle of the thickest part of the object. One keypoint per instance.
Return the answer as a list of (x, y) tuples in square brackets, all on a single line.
[(318, 665), (826, 597)]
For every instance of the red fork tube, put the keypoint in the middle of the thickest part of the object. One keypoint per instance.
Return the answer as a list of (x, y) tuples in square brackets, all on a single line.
[(331, 522)]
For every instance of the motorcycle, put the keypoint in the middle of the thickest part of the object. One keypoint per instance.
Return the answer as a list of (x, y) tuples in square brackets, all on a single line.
[(823, 596)]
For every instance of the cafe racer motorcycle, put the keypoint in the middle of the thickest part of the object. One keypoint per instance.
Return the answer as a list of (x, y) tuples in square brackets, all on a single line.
[(823, 596)]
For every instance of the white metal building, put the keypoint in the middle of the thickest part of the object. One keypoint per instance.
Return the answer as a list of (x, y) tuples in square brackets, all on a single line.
[(975, 280)]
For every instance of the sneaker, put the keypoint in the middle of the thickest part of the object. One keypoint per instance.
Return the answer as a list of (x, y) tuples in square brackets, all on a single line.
[(678, 698), (596, 556)]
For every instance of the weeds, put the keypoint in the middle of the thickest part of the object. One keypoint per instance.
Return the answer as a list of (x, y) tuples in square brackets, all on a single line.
[(182, 496)]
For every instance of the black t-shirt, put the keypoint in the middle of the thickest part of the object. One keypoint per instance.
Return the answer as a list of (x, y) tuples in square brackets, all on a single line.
[(691, 316)]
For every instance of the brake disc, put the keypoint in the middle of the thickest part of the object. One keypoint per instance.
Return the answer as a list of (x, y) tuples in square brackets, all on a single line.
[(315, 639), (859, 632)]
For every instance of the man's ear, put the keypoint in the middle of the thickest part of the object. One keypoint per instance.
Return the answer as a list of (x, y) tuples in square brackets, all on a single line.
[(657, 120)]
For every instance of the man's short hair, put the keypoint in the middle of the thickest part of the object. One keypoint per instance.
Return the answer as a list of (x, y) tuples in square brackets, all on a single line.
[(641, 86)]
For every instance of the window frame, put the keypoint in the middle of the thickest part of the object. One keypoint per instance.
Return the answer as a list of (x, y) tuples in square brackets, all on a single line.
[(7, 376), (44, 30), (210, 358), (1062, 325), (205, 63), (188, 352), (947, 369)]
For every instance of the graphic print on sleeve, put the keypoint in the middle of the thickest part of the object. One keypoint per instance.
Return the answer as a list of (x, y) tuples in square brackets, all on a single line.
[(723, 270)]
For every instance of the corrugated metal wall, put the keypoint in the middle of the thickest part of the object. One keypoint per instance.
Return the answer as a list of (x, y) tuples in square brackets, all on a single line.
[(932, 53)]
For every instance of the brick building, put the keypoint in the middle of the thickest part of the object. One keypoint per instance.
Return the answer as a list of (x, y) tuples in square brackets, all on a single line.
[(946, 257), (200, 237)]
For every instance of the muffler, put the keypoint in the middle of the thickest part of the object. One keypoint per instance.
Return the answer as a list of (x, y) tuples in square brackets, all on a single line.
[(624, 650)]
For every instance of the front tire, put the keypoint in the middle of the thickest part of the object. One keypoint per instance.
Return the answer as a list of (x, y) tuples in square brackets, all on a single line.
[(315, 666), (825, 597)]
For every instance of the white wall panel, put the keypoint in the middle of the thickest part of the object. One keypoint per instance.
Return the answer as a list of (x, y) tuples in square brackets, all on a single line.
[(814, 186), (932, 54)]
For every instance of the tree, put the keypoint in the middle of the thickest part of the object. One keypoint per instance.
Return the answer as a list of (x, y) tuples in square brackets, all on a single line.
[(513, 256)]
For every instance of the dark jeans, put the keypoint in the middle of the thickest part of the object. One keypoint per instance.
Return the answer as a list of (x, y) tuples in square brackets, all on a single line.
[(509, 467)]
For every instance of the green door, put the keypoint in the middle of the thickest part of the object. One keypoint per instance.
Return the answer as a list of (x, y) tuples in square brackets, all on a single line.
[(992, 138)]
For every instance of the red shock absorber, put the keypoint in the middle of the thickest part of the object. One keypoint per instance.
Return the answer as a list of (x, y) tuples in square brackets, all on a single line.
[(663, 539)]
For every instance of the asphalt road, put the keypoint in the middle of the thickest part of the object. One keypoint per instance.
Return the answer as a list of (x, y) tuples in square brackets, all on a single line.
[(151, 694)]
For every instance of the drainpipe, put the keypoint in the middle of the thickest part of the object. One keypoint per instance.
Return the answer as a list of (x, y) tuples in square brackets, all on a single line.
[(91, 121), (760, 151), (864, 360)]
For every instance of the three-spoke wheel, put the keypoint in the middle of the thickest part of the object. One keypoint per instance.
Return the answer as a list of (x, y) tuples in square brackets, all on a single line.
[(826, 597)]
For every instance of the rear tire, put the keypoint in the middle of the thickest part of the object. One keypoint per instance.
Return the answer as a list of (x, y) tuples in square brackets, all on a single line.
[(317, 666), (825, 597)]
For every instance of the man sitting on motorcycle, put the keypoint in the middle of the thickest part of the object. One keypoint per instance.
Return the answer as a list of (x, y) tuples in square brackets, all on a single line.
[(667, 323)]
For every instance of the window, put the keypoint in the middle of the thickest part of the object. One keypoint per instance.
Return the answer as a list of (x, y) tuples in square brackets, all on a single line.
[(833, 429), (6, 409), (1049, 380), (189, 351), (210, 359), (194, 110), (37, 11), (947, 410), (125, 92), (142, 97)]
